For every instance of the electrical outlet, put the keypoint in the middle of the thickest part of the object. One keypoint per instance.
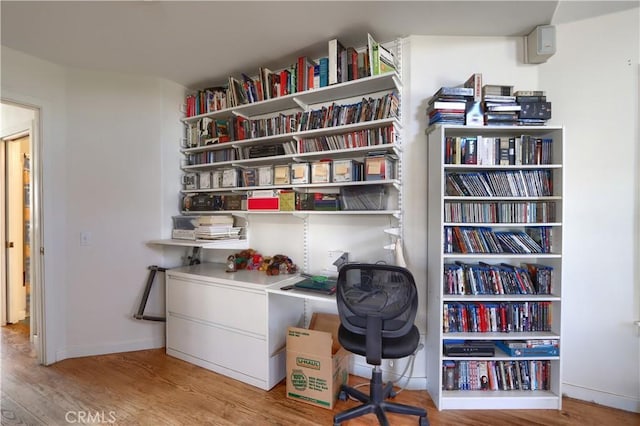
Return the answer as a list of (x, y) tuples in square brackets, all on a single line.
[(85, 238), (332, 256)]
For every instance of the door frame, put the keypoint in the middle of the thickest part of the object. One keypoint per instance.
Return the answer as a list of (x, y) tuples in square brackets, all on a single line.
[(37, 306)]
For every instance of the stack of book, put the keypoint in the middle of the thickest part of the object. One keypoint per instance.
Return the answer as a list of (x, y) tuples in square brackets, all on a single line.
[(500, 106), (219, 227), (448, 105), (534, 108)]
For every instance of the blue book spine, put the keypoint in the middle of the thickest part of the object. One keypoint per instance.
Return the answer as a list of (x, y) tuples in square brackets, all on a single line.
[(324, 72)]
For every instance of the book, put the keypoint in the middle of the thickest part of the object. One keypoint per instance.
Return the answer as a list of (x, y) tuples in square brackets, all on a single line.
[(475, 82), (264, 75), (381, 60), (448, 105), (363, 70), (539, 110), (317, 284), (352, 64), (324, 71), (334, 67), (490, 107), (239, 96), (529, 93), (386, 60), (374, 59), (215, 220), (496, 89), (531, 99), (304, 74), (449, 375), (454, 91), (525, 348)]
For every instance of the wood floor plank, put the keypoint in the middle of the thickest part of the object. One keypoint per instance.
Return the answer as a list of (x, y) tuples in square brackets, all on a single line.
[(152, 388)]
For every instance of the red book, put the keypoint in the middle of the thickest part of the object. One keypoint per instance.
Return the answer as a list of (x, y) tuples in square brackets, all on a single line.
[(283, 82), (354, 64), (310, 77), (300, 73)]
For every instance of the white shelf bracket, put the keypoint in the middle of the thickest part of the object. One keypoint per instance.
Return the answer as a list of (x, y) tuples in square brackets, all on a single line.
[(238, 114), (393, 231), (301, 104)]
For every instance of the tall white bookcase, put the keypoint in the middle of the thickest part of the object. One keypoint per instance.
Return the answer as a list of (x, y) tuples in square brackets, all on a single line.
[(478, 209)]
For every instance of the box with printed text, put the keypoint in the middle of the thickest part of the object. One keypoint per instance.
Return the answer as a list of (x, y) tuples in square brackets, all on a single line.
[(317, 366)]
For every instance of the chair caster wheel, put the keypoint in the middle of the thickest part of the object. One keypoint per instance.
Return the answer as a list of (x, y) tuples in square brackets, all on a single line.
[(342, 396), (423, 421)]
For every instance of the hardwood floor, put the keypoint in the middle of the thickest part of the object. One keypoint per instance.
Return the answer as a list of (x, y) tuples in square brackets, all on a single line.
[(151, 388)]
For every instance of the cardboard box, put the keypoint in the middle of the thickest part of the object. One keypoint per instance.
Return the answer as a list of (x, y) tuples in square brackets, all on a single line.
[(317, 366)]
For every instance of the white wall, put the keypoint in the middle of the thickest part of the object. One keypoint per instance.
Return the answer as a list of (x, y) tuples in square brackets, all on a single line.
[(104, 138), (601, 284), (433, 62), (14, 119), (31, 81), (593, 84), (92, 154)]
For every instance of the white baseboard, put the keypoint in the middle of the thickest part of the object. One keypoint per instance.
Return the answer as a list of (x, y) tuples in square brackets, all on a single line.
[(620, 402), (110, 348)]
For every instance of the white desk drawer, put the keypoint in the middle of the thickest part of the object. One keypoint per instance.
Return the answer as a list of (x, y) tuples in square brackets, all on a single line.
[(219, 304), (221, 347)]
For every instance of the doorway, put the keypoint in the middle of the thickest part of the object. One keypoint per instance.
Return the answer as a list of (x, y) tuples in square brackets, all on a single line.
[(17, 179), (20, 278)]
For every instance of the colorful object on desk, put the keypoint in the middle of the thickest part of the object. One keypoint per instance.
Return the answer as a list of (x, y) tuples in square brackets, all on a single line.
[(317, 283)]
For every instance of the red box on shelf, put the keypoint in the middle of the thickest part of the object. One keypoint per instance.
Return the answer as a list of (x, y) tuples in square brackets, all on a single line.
[(263, 200)]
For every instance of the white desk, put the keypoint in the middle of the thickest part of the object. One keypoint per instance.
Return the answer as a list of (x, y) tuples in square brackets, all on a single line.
[(234, 323)]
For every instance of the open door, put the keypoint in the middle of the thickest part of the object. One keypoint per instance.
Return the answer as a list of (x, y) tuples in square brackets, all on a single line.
[(17, 187)]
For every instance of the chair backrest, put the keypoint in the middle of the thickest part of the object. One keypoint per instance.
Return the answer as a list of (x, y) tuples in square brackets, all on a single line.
[(384, 292)]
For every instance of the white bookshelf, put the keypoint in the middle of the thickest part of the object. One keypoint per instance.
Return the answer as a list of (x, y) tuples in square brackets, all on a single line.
[(438, 255)]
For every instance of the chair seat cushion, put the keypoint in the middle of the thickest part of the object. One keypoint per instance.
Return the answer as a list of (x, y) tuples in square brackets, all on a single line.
[(392, 348)]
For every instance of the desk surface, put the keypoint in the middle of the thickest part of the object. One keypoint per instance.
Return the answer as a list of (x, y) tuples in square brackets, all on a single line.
[(309, 295), (215, 272)]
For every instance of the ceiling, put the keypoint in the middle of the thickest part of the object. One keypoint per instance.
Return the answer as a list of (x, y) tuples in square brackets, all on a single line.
[(199, 43)]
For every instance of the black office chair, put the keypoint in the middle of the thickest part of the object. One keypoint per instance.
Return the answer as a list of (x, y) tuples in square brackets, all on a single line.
[(377, 306)]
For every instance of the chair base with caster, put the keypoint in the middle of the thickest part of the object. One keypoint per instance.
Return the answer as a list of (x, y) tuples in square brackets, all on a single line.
[(376, 403)]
